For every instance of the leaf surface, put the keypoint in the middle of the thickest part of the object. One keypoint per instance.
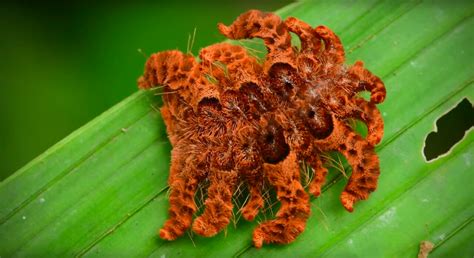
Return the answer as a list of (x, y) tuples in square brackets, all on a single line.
[(102, 190)]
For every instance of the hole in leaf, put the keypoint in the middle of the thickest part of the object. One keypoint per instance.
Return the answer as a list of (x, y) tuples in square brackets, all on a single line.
[(450, 129)]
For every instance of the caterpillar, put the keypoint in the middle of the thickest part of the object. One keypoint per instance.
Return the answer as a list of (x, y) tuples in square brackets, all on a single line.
[(232, 119)]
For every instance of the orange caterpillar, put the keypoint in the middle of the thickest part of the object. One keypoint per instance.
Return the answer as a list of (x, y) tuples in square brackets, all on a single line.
[(231, 119)]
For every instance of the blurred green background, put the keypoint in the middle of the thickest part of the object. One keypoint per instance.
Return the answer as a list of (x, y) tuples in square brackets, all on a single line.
[(64, 64)]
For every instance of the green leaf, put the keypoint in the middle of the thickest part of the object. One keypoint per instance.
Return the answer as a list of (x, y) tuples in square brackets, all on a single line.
[(102, 190)]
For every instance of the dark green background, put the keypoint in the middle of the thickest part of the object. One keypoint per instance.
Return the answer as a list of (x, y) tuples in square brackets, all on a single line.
[(63, 64)]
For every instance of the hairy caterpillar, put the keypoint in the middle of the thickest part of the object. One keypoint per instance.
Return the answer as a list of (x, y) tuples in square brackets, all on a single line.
[(231, 119)]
